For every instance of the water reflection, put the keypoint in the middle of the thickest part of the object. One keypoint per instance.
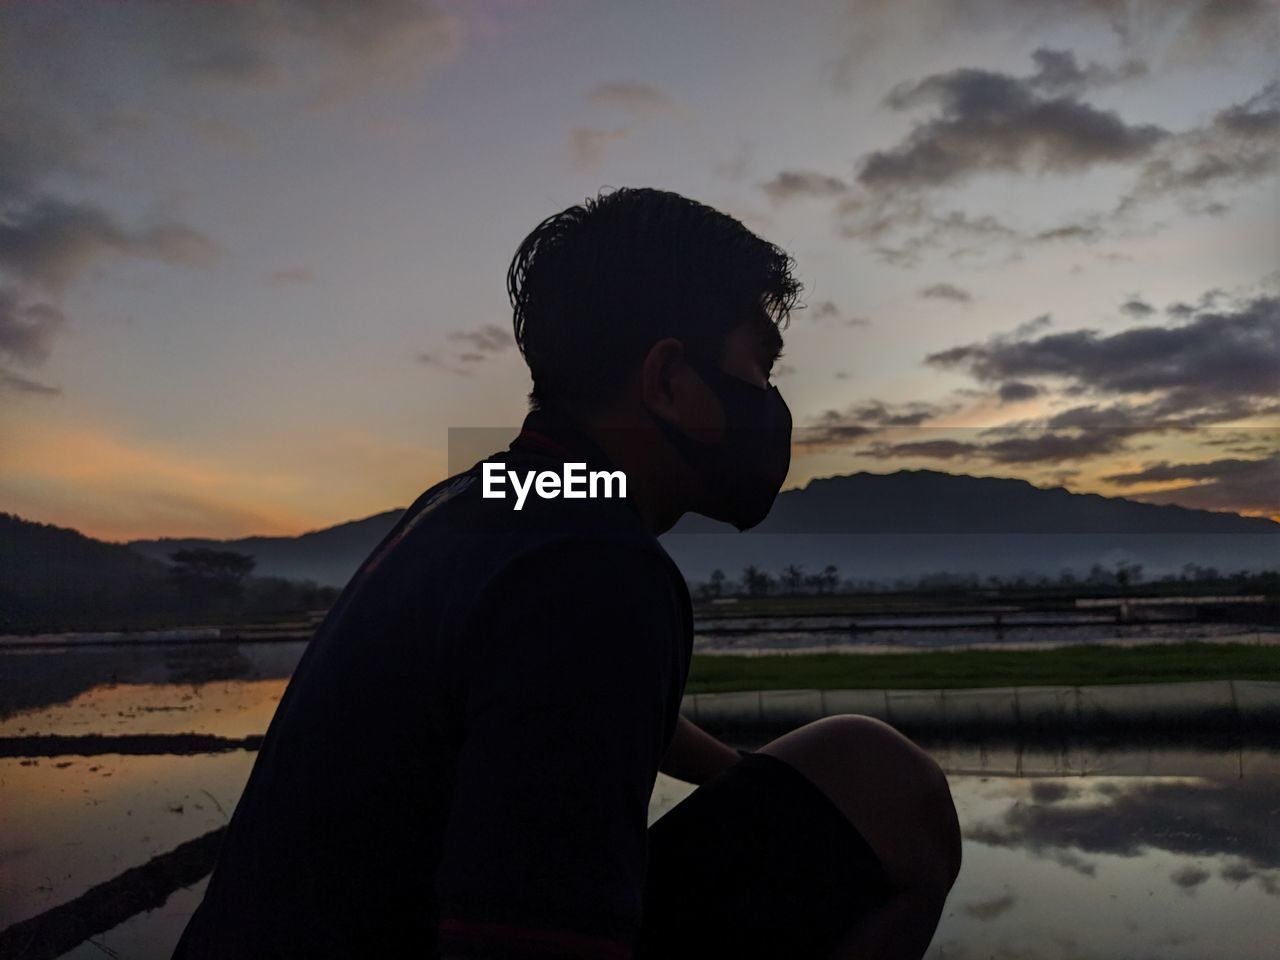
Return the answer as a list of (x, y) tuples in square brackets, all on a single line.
[(1071, 850)]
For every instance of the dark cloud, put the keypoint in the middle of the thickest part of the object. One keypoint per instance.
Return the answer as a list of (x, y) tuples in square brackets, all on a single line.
[(1034, 325), (792, 184), (990, 909), (1220, 367), (946, 291), (1196, 818), (828, 310), (14, 383), (1015, 390), (1189, 876), (1058, 72), (51, 241), (859, 420), (981, 122), (1051, 791), (490, 338), (1041, 448), (967, 237), (1084, 232), (1241, 872), (1227, 484), (642, 99), (985, 121), (1137, 307), (825, 309), (27, 330), (1221, 362), (1241, 145), (1202, 28)]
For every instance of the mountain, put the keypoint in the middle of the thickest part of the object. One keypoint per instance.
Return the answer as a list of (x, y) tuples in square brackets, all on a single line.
[(878, 526), (916, 522), (329, 556), (43, 568)]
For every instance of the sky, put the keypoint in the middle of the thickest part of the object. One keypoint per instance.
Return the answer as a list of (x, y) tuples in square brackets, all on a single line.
[(253, 252)]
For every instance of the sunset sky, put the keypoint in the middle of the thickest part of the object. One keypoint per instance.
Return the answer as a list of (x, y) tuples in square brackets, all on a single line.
[(253, 252)]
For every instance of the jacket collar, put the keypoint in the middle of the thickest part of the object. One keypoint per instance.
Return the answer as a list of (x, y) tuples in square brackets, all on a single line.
[(555, 433)]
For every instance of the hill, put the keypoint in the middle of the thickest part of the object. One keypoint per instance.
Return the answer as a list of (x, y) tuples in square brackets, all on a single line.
[(329, 556), (877, 526)]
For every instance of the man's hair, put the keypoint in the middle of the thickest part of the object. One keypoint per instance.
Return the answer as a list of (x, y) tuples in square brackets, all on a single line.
[(593, 287)]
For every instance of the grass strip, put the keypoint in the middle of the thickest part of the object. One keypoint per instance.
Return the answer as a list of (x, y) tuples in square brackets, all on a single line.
[(951, 669)]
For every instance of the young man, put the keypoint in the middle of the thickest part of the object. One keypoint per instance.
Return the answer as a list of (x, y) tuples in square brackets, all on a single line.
[(462, 762)]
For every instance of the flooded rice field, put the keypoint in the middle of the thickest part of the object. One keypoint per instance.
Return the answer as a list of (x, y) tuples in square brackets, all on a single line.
[(1021, 630), (112, 759)]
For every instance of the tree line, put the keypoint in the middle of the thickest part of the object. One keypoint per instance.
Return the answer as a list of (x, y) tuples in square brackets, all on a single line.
[(1120, 578)]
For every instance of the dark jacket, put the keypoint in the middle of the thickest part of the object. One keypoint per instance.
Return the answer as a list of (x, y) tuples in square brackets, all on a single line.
[(464, 756)]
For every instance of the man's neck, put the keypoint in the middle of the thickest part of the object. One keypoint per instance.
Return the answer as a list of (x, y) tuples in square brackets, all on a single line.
[(654, 483)]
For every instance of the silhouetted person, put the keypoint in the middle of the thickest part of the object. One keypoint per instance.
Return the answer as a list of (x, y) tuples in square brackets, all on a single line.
[(462, 762)]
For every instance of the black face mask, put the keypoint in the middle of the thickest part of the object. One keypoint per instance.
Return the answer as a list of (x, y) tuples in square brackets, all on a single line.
[(745, 468)]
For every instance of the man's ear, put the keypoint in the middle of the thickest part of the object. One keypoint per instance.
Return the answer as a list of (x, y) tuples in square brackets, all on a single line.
[(663, 365), (673, 390)]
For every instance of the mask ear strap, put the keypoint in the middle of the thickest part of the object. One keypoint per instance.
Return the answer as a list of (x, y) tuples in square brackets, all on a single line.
[(691, 450)]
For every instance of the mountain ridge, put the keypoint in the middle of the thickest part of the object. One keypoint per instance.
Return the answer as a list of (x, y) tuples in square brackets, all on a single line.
[(856, 506)]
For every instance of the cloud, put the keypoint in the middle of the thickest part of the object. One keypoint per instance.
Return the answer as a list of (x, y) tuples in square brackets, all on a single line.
[(985, 121), (27, 330), (825, 309), (796, 184), (1058, 72), (974, 123), (1197, 818), (828, 310), (431, 360), (1136, 307), (14, 383), (1222, 363), (1189, 876), (946, 291), (1042, 448), (878, 30), (490, 338), (482, 343), (329, 45), (1015, 391), (990, 909), (1226, 484), (859, 420), (1034, 325), (1220, 366), (51, 241), (588, 146), (1238, 146), (641, 99)]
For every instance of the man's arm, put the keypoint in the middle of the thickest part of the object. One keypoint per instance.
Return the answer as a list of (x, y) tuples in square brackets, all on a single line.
[(695, 756), (572, 670)]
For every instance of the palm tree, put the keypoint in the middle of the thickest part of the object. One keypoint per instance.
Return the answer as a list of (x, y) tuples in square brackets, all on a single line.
[(793, 577)]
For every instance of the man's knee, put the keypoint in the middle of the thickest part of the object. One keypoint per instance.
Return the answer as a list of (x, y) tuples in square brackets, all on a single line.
[(893, 791)]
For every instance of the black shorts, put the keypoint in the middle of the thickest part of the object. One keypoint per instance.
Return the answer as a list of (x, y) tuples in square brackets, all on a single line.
[(756, 862)]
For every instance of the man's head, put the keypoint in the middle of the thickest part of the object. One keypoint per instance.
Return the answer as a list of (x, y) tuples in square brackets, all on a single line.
[(646, 311), (595, 286)]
